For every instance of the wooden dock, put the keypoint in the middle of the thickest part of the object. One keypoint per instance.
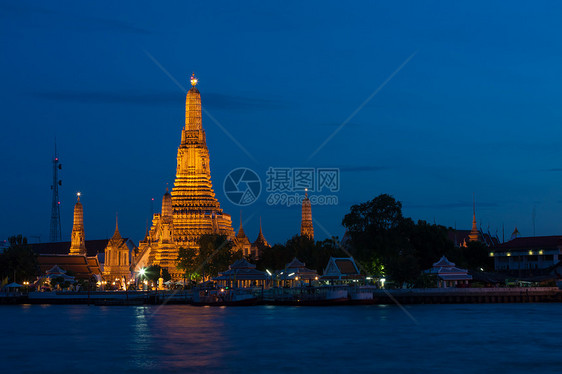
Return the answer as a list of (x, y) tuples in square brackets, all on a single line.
[(305, 296)]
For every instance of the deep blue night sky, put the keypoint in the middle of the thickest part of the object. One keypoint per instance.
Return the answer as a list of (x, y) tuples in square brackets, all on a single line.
[(475, 109)]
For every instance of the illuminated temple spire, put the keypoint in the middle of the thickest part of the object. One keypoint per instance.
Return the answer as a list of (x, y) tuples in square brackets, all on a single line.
[(191, 210), (241, 234), (77, 240), (306, 222), (260, 240), (474, 234), (193, 189), (116, 235)]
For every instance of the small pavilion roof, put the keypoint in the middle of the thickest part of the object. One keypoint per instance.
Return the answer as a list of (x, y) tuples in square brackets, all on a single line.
[(443, 262), (295, 269), (341, 268), (446, 270), (242, 270)]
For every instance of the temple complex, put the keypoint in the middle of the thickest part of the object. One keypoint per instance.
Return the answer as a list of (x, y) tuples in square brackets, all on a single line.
[(306, 222), (191, 209), (77, 240)]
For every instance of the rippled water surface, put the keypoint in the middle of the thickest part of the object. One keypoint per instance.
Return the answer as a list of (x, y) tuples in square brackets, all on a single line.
[(441, 338)]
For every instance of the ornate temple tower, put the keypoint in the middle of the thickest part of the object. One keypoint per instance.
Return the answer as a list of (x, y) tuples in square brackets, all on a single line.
[(306, 223), (241, 241), (196, 210), (260, 244), (116, 257), (474, 235), (77, 240), (191, 210)]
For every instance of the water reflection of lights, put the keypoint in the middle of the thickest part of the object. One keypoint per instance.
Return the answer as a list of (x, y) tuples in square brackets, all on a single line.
[(187, 337)]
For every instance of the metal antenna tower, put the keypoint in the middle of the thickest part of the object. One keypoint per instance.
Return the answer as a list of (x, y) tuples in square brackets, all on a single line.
[(55, 234)]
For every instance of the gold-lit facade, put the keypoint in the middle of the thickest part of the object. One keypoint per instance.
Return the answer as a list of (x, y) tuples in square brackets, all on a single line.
[(191, 209), (77, 239), (117, 264), (307, 229)]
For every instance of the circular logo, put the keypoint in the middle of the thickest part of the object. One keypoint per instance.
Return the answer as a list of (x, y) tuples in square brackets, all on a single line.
[(242, 186)]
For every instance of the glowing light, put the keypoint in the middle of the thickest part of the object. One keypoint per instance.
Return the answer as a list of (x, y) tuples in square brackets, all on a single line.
[(297, 278), (540, 252), (78, 194), (508, 254), (268, 272), (316, 278), (531, 253), (142, 271), (193, 80), (382, 282), (491, 254), (291, 274)]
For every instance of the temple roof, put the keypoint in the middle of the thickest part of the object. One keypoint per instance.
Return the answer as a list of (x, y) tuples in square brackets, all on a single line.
[(93, 247), (443, 262), (116, 238), (83, 267), (260, 240), (446, 270), (241, 234), (242, 270), (295, 269), (242, 264), (341, 268), (295, 263), (532, 242)]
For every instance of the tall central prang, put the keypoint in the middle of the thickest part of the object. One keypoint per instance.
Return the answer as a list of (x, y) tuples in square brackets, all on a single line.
[(195, 208), (192, 209)]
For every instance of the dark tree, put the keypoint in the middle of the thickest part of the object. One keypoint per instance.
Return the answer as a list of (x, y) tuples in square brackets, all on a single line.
[(187, 263), (315, 255), (386, 243), (215, 254), (153, 272), (18, 260)]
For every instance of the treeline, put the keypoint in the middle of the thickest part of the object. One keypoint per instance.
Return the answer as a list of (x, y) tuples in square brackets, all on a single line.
[(388, 244)]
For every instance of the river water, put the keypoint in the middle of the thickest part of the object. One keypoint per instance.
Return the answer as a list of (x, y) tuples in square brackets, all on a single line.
[(512, 338)]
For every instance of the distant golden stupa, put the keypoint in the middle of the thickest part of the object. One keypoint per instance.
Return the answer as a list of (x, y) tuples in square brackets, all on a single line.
[(307, 229), (77, 239), (474, 235)]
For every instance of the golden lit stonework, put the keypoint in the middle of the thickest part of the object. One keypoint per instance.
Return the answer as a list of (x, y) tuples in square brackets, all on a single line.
[(191, 209), (307, 229), (78, 240), (116, 257)]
